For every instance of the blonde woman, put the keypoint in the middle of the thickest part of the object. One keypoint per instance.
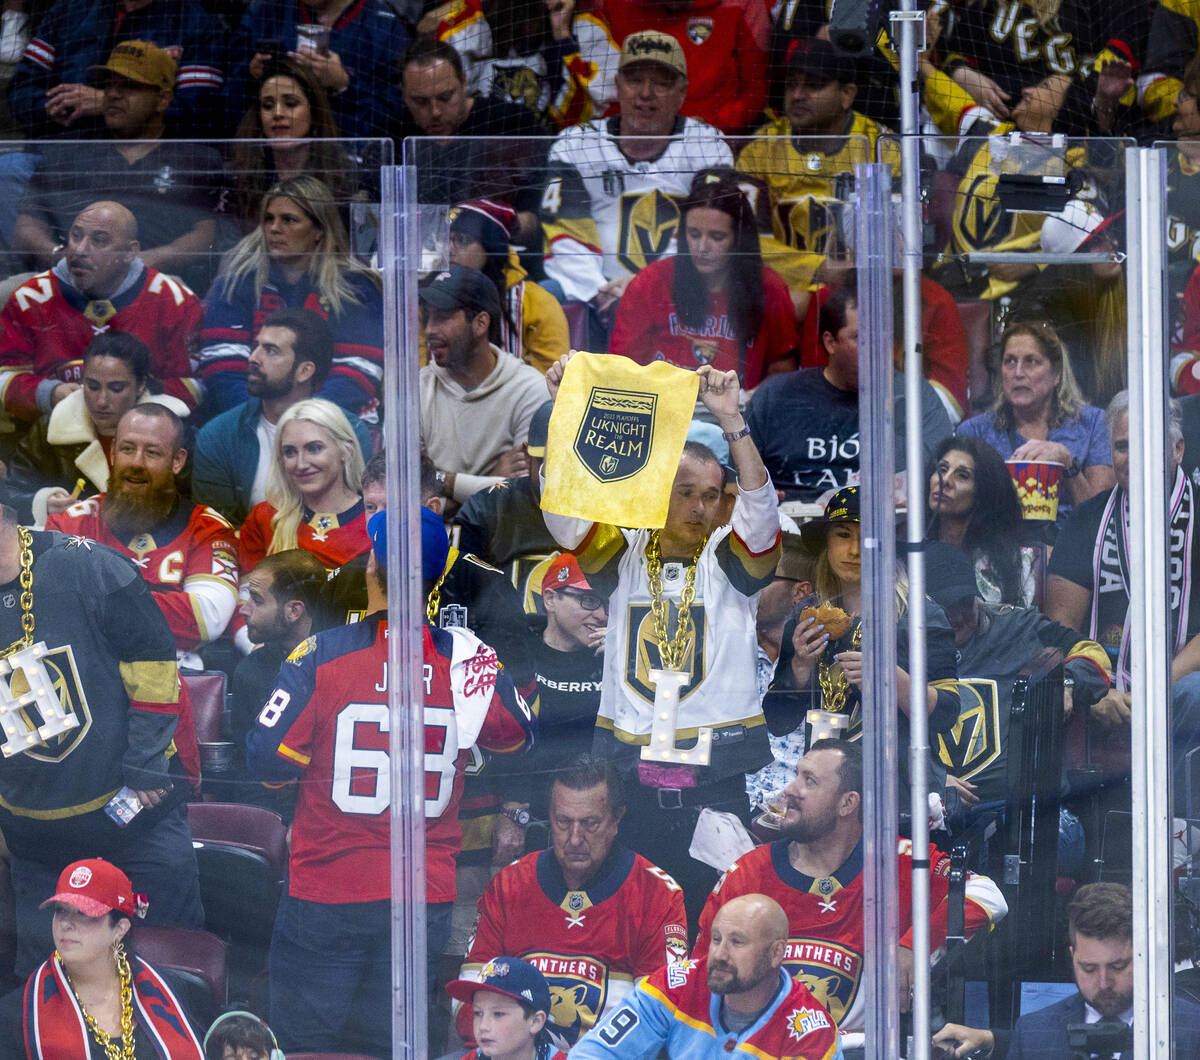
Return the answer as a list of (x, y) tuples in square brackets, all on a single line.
[(1039, 414), (821, 660), (314, 490), (297, 258)]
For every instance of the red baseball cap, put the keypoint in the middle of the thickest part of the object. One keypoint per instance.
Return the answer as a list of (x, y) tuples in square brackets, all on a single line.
[(564, 573), (95, 887)]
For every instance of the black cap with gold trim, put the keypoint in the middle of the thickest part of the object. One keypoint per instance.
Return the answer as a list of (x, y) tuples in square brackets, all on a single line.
[(842, 507)]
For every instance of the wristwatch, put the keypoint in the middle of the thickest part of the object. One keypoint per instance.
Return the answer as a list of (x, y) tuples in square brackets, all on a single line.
[(1075, 469), (518, 816)]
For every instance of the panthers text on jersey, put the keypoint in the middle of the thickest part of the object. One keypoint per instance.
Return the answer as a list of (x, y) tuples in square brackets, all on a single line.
[(591, 944), (825, 917)]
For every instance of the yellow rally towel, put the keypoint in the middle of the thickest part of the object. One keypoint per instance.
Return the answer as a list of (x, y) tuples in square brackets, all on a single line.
[(616, 436)]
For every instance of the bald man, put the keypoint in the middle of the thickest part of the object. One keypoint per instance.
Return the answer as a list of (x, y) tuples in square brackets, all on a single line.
[(100, 284), (738, 999)]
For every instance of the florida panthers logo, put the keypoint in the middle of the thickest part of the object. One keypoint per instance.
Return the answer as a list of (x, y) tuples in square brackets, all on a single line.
[(831, 972), (578, 990)]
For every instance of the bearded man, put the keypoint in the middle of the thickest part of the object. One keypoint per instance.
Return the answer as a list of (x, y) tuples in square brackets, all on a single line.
[(814, 871), (187, 554)]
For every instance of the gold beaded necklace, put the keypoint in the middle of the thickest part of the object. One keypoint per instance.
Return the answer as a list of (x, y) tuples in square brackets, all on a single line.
[(112, 1051), (671, 649)]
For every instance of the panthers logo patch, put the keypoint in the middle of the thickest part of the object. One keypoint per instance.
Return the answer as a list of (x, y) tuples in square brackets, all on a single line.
[(831, 972), (578, 990)]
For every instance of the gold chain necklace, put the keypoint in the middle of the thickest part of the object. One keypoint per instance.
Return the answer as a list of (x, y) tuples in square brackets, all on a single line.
[(112, 1050), (671, 649), (434, 602), (835, 688), (25, 538)]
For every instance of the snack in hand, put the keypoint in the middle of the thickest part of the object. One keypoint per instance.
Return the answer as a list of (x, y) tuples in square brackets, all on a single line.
[(834, 619)]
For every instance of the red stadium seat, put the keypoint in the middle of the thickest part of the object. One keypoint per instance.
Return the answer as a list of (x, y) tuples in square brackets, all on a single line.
[(194, 962), (207, 691), (976, 316), (242, 854)]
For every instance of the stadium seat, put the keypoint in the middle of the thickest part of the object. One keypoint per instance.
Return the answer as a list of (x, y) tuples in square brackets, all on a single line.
[(193, 962), (976, 315), (206, 688), (242, 854), (941, 206)]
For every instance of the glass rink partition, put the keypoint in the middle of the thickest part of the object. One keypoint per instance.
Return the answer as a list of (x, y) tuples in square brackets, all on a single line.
[(1069, 736), (1064, 763)]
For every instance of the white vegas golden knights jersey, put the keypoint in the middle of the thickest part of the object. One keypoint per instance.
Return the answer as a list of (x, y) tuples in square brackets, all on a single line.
[(736, 563), (606, 216)]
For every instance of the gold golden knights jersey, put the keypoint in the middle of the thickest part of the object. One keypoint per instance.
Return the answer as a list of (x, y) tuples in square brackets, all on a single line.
[(806, 182), (607, 216)]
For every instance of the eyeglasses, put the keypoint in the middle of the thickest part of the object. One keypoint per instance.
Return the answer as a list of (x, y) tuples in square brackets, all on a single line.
[(588, 601)]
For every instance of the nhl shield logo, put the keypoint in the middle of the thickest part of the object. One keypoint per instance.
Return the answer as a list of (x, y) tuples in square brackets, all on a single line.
[(699, 29), (614, 436)]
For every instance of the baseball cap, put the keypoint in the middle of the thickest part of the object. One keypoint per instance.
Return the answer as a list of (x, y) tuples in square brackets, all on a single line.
[(815, 56), (842, 507), (1066, 231), (435, 546), (949, 574), (140, 61), (565, 573), (539, 429), (509, 976), (490, 223), (651, 46), (95, 887), (459, 287)]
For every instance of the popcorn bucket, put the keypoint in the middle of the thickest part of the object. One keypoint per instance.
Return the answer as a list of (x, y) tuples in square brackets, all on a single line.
[(1037, 483)]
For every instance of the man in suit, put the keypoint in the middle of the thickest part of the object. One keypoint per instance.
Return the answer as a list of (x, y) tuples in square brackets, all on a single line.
[(1100, 930)]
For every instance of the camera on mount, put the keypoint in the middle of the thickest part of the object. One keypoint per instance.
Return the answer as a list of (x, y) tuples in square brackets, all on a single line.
[(854, 25), (1109, 1038)]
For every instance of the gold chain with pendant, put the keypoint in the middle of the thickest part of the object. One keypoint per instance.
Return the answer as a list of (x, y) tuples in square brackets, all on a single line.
[(835, 688), (25, 539), (112, 1051), (671, 649)]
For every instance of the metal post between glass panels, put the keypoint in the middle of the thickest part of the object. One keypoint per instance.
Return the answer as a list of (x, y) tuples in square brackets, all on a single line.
[(873, 259), (1150, 615), (399, 252), (908, 24)]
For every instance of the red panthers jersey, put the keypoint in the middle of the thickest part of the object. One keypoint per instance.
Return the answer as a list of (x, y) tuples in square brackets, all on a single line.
[(190, 563), (334, 538), (825, 917), (47, 325), (591, 944), (328, 721)]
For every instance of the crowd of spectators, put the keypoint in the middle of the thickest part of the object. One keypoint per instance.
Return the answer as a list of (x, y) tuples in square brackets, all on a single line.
[(192, 349)]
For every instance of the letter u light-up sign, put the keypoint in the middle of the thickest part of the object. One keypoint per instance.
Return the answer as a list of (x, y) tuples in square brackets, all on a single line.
[(20, 733)]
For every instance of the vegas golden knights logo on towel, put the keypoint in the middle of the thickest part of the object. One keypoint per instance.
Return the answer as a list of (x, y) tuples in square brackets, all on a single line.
[(614, 436)]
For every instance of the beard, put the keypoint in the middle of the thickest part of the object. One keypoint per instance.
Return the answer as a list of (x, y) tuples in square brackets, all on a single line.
[(260, 386), (723, 979), (808, 830), (128, 513)]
